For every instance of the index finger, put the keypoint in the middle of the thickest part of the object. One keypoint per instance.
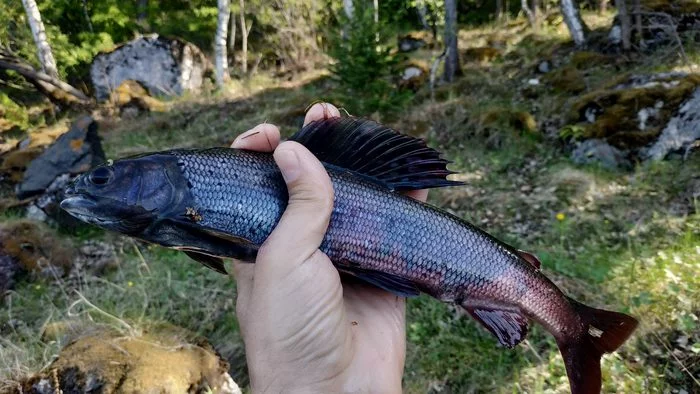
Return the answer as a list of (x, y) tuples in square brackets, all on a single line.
[(320, 111)]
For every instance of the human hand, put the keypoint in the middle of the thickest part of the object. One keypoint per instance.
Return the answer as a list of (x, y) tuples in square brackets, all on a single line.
[(303, 330)]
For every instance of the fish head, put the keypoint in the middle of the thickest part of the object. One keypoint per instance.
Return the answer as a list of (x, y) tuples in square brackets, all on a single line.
[(125, 195)]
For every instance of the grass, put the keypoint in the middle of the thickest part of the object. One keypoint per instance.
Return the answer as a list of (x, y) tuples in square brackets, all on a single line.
[(626, 241)]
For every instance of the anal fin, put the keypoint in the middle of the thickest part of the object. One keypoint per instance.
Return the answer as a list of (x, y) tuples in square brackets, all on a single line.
[(510, 328), (391, 283)]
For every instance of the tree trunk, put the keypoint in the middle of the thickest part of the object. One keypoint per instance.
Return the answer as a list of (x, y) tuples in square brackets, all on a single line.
[(572, 17), (232, 36), (86, 15), (528, 13), (48, 63), (220, 57), (423, 14), (53, 88), (637, 10), (625, 30), (349, 8), (244, 40), (602, 6), (452, 55), (535, 8), (142, 16)]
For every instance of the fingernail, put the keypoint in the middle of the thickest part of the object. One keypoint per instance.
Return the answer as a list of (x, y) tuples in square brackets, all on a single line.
[(288, 162)]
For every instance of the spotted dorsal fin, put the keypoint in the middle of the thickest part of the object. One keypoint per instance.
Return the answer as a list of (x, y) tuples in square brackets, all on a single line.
[(368, 148)]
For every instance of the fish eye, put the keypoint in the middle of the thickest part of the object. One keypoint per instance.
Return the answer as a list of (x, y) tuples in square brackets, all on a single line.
[(100, 176)]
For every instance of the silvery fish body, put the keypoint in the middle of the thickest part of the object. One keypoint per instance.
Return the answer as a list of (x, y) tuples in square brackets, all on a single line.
[(221, 202)]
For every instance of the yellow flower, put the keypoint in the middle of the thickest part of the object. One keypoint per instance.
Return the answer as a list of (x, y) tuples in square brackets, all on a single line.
[(130, 284), (561, 216)]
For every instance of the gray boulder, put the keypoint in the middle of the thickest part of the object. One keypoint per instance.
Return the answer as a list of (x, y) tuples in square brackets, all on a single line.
[(164, 66), (681, 132), (599, 151), (46, 177)]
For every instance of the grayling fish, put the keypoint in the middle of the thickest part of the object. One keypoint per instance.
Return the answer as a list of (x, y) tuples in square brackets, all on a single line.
[(214, 203)]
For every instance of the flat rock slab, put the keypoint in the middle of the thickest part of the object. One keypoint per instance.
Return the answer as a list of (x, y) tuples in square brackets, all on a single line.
[(74, 152)]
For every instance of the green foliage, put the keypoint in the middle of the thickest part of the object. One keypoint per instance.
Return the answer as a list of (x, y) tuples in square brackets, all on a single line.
[(364, 66), (11, 113)]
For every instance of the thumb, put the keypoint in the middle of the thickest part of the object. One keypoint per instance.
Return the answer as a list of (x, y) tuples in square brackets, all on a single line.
[(303, 225)]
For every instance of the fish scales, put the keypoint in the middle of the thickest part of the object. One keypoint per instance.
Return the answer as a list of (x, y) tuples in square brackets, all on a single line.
[(243, 193)]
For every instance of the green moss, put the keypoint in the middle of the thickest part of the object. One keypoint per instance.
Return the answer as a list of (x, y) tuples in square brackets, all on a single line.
[(566, 80), (672, 7), (585, 59), (484, 54), (518, 120)]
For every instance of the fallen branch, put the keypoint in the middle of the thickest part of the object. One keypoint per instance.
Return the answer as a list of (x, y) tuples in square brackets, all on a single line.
[(55, 89), (670, 28)]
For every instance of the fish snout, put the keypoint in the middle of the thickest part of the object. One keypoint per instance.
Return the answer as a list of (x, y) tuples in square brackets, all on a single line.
[(77, 204)]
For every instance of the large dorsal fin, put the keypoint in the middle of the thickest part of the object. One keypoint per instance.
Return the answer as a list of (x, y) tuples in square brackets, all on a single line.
[(399, 161)]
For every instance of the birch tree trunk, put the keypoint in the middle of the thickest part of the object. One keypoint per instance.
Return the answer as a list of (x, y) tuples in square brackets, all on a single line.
[(528, 13), (625, 29), (48, 63), (244, 40), (220, 57), (572, 17), (452, 55), (349, 8)]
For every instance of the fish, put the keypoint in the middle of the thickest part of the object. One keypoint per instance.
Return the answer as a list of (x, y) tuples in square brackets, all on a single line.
[(217, 203)]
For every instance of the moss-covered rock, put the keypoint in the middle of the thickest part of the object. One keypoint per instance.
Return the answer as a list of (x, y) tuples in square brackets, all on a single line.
[(632, 114), (106, 362)]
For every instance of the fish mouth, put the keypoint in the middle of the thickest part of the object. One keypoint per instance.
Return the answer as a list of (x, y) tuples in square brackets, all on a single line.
[(83, 208)]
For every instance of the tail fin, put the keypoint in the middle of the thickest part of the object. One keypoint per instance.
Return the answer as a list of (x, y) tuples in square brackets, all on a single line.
[(605, 332)]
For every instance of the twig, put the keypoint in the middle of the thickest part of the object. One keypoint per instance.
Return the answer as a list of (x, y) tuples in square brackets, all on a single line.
[(683, 367), (131, 330), (143, 260)]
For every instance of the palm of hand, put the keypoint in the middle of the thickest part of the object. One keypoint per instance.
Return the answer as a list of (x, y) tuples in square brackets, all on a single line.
[(346, 338)]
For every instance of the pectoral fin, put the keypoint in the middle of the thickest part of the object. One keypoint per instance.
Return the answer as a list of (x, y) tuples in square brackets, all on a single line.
[(215, 263), (391, 283)]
